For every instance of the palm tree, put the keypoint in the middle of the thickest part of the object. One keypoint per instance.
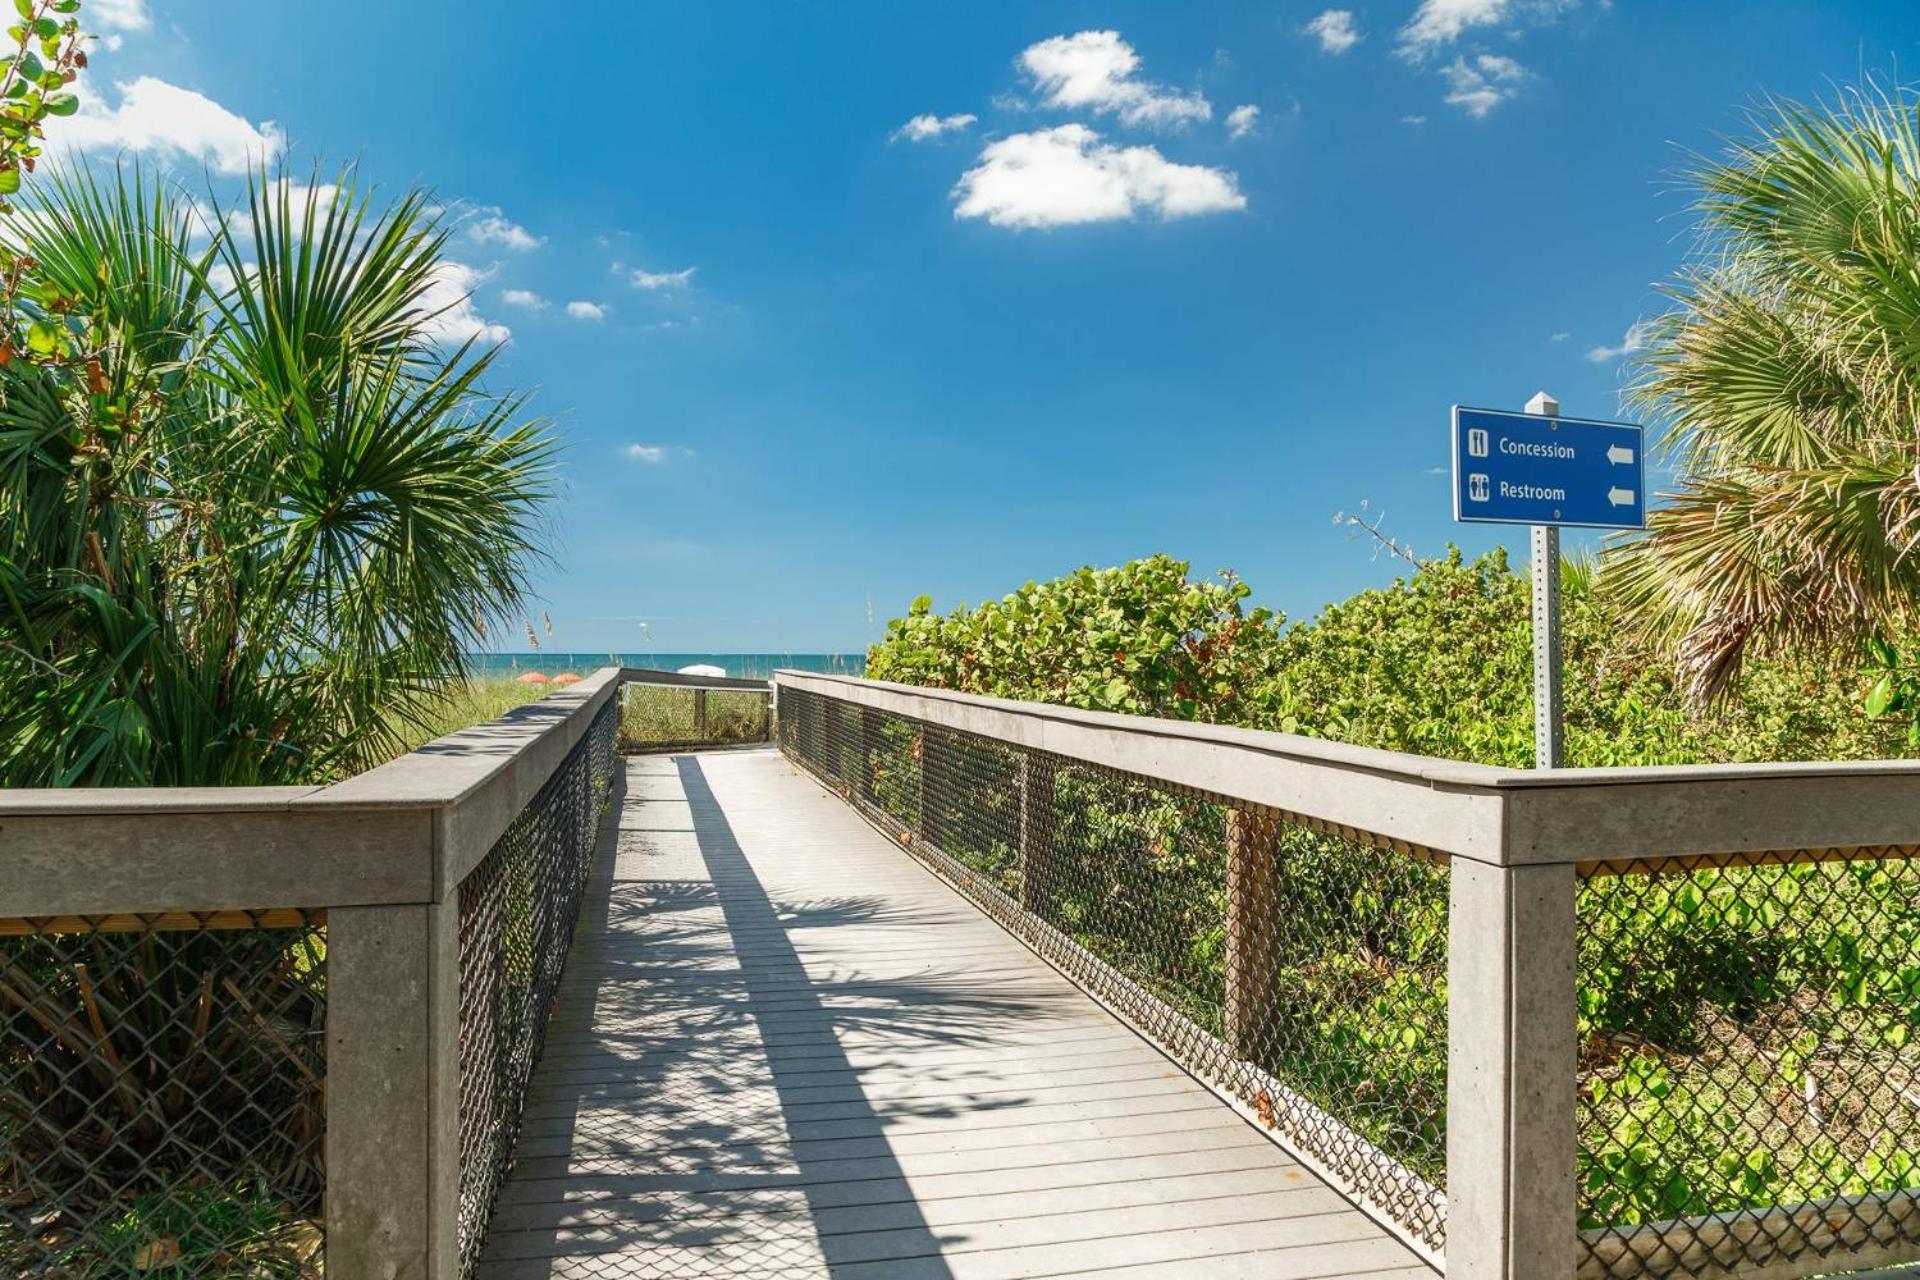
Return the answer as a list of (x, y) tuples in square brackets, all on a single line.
[(1787, 375), (254, 517)]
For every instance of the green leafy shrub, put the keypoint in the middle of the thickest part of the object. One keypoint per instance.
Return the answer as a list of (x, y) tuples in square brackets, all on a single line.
[(1440, 663), (1142, 638)]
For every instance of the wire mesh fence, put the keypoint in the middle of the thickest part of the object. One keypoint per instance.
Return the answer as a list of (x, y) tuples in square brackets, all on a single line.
[(518, 909), (658, 717), (1750, 1063), (1301, 970), (162, 1103)]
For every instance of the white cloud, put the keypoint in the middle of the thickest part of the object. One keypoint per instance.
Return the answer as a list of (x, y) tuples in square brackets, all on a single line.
[(1413, 119), (1242, 120), (662, 279), (1066, 175), (586, 311), (1561, 336), (922, 128), (1635, 340), (492, 226), (1480, 84), (118, 15), (448, 297), (525, 298), (1335, 29), (1093, 70), (160, 117), (1438, 23), (655, 454)]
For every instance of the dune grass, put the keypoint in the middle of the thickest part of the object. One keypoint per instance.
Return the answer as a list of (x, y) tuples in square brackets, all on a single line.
[(648, 717)]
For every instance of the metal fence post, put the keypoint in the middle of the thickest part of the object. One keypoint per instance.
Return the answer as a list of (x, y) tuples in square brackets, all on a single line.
[(1036, 831), (1512, 1062), (924, 797), (393, 1092), (869, 747), (1253, 866)]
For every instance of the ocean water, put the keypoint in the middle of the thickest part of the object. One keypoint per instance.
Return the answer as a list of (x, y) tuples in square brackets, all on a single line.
[(750, 666)]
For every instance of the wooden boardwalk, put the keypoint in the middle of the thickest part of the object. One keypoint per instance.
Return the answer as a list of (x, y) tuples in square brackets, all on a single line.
[(784, 1049)]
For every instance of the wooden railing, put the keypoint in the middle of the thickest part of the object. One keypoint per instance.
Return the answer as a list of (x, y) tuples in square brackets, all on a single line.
[(350, 964), (1677, 1009)]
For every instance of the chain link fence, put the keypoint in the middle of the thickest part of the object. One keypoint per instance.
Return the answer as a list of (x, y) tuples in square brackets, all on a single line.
[(1299, 969), (1749, 1092), (162, 1097), (518, 909), (661, 717)]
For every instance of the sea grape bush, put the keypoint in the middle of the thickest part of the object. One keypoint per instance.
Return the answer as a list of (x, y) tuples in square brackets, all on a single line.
[(1748, 1037), (1440, 663), (1142, 638), (1709, 999)]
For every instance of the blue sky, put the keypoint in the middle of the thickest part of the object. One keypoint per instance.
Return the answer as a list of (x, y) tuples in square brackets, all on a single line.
[(823, 354)]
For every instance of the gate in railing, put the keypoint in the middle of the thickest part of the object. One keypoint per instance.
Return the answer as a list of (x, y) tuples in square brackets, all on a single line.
[(1607, 1023)]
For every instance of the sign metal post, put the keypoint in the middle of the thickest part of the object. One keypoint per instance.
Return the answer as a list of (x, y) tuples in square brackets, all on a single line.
[(1549, 749), (1544, 471)]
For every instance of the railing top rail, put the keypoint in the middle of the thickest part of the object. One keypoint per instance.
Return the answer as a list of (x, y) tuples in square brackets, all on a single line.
[(476, 779), (33, 802), (1500, 815), (402, 832), (1424, 769), (1434, 804), (684, 680)]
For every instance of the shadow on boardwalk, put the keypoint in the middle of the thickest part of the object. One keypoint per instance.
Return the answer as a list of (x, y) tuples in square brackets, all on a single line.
[(696, 1112)]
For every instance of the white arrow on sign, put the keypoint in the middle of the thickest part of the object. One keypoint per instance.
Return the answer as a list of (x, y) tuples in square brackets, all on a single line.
[(1619, 453), (1620, 497)]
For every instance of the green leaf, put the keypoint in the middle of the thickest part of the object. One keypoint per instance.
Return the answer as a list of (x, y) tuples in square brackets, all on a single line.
[(24, 8), (1880, 697), (63, 104)]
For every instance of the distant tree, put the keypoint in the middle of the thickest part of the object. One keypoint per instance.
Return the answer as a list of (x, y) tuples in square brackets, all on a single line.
[(1787, 375), (250, 527)]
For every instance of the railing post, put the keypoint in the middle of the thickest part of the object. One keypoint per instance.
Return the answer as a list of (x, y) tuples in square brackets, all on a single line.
[(393, 1092), (1036, 831), (922, 793), (1253, 867), (1512, 1050), (699, 715), (869, 747)]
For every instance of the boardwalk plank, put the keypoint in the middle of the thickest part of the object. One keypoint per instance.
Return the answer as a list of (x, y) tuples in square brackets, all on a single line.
[(784, 1050)]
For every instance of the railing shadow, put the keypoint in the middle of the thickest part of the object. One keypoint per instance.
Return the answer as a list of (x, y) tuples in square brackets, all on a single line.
[(698, 1109)]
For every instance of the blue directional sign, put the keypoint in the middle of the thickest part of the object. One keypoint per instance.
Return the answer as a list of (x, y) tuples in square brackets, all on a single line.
[(1521, 468)]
